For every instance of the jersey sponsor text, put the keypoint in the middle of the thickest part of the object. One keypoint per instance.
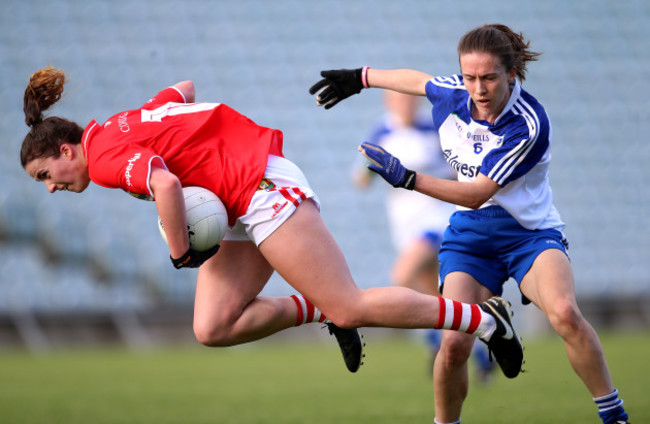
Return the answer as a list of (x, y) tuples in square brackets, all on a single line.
[(127, 173), (460, 167)]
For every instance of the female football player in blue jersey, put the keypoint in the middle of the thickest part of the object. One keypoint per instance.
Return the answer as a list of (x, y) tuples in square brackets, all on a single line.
[(417, 223), (497, 137)]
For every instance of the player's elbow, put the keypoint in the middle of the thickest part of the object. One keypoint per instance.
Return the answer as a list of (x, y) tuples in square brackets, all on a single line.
[(475, 205), (481, 190), (187, 89), (476, 202), (162, 180)]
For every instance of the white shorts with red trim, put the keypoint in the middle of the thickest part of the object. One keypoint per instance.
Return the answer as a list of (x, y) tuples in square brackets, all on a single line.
[(282, 189)]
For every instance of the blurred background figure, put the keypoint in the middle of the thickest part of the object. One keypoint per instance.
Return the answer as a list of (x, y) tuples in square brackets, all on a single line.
[(416, 223)]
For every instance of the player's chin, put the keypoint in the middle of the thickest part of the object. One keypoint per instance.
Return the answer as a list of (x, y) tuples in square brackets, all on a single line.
[(78, 189), (484, 106), (84, 185)]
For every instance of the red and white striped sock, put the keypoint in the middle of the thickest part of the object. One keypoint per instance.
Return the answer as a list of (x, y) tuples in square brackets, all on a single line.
[(307, 312), (463, 317)]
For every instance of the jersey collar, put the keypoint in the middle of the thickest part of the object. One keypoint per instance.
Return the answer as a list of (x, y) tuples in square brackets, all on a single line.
[(93, 125)]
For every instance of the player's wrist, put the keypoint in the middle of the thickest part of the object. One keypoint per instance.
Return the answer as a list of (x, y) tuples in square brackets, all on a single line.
[(364, 76), (193, 258), (183, 260), (409, 180)]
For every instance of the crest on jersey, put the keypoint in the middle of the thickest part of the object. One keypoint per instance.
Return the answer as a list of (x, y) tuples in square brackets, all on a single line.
[(141, 196), (266, 184)]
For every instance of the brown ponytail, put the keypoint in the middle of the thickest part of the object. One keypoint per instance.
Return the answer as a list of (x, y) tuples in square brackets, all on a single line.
[(511, 47), (46, 135), (44, 89)]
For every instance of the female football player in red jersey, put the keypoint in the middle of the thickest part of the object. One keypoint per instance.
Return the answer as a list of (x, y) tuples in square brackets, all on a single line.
[(171, 142)]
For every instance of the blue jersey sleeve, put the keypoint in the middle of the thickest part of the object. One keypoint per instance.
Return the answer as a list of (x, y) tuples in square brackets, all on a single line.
[(447, 95), (525, 140)]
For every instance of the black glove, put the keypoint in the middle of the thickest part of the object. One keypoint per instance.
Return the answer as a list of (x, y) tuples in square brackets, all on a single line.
[(337, 85), (194, 259)]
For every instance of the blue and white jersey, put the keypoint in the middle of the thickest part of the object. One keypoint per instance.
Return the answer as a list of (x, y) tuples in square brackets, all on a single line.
[(410, 214), (514, 151)]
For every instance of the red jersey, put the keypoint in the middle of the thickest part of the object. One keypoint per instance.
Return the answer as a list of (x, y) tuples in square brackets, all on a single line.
[(204, 144)]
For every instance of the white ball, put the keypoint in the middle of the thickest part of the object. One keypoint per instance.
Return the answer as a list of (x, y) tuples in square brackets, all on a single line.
[(207, 219)]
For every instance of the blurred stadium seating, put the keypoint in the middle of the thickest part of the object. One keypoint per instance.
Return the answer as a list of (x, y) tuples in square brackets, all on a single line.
[(102, 252)]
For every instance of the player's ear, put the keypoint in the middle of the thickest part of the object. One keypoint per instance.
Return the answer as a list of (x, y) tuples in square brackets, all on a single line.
[(67, 150), (512, 75)]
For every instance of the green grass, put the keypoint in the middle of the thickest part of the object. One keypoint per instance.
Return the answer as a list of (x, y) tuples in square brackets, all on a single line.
[(301, 383)]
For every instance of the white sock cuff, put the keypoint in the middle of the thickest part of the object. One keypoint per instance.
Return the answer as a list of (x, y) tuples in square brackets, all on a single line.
[(307, 312), (608, 402)]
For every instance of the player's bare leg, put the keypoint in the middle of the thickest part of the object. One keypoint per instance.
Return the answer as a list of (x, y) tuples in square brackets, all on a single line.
[(450, 373), (305, 254), (227, 309), (416, 267), (549, 284)]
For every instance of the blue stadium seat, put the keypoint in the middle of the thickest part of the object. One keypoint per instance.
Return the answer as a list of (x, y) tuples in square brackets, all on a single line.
[(260, 57)]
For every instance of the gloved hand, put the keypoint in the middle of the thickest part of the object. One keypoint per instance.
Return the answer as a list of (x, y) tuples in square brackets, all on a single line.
[(194, 259), (388, 166), (337, 85)]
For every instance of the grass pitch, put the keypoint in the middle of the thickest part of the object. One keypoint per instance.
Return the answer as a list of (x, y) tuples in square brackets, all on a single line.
[(301, 383)]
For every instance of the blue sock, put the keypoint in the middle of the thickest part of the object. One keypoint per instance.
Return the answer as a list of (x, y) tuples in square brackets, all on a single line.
[(610, 408), (482, 357), (433, 339)]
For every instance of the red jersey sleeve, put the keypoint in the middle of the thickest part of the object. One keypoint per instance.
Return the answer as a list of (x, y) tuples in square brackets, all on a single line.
[(119, 165), (128, 167)]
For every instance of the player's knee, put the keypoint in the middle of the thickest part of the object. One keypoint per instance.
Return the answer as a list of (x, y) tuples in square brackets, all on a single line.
[(212, 334), (455, 351), (346, 319), (347, 315), (347, 311), (565, 318), (207, 336)]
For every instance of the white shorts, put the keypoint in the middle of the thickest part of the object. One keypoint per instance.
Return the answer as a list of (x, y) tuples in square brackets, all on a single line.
[(282, 189)]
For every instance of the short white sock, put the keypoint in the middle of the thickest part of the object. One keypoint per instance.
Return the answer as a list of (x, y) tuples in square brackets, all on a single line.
[(438, 422)]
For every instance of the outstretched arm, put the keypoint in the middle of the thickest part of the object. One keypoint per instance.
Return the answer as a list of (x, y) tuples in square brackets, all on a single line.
[(340, 84), (469, 194), (405, 81)]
